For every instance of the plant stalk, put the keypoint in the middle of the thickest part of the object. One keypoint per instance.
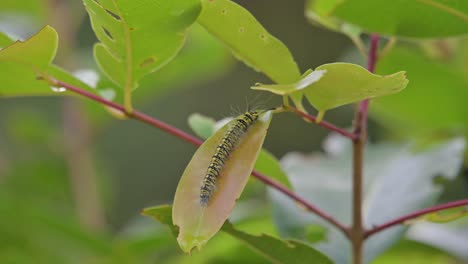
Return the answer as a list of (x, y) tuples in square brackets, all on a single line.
[(360, 129), (324, 124)]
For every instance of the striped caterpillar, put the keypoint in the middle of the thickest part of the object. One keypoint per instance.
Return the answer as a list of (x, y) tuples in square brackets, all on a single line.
[(228, 143)]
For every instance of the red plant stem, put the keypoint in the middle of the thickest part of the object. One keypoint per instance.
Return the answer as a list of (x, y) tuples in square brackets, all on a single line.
[(135, 114), (402, 219), (371, 62), (197, 142), (278, 186), (325, 124)]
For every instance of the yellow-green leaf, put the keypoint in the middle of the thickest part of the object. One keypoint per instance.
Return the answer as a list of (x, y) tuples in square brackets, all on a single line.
[(443, 216), (249, 40), (21, 63), (202, 125), (341, 83), (274, 249), (198, 223), (5, 40), (414, 19), (307, 79), (138, 37), (25, 65), (315, 16)]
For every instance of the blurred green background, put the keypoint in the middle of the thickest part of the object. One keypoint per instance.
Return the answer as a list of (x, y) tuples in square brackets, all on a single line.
[(74, 178), (140, 166)]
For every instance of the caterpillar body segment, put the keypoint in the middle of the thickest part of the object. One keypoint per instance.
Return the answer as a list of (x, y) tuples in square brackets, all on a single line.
[(228, 143)]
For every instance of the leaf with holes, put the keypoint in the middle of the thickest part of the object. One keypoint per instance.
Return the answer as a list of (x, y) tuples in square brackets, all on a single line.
[(198, 222), (341, 83), (138, 37), (249, 41), (22, 63), (32, 60)]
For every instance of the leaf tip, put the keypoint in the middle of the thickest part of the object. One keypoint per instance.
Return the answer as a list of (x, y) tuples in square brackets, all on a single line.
[(189, 242), (266, 116)]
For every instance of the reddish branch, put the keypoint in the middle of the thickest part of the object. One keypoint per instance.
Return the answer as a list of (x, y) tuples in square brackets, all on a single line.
[(325, 124), (402, 219), (278, 186), (371, 62), (197, 142)]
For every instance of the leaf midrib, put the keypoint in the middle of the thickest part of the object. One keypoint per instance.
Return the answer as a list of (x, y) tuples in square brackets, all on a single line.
[(128, 50), (445, 8)]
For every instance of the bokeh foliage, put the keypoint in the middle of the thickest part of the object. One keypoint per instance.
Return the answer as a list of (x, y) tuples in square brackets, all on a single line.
[(40, 222)]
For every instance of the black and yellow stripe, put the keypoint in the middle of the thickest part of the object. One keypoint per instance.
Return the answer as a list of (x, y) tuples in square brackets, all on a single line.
[(228, 143)]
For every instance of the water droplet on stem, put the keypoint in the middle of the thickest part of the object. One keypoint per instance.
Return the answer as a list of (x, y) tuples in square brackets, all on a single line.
[(58, 89)]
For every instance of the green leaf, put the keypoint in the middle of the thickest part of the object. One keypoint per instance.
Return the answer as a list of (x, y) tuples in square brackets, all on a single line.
[(137, 39), (163, 214), (266, 163), (434, 100), (276, 250), (202, 126), (198, 222), (32, 61), (341, 83), (269, 165), (202, 58), (416, 19), (5, 40), (31, 8), (249, 40), (443, 216), (398, 180), (407, 251), (307, 79), (450, 237), (225, 248), (22, 63), (332, 23)]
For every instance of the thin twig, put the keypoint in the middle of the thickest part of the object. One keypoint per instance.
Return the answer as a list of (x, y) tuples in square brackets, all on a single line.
[(371, 63), (278, 186), (402, 219), (324, 124), (197, 142)]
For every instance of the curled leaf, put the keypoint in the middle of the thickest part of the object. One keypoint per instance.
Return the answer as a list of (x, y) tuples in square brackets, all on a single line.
[(306, 80), (198, 222)]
